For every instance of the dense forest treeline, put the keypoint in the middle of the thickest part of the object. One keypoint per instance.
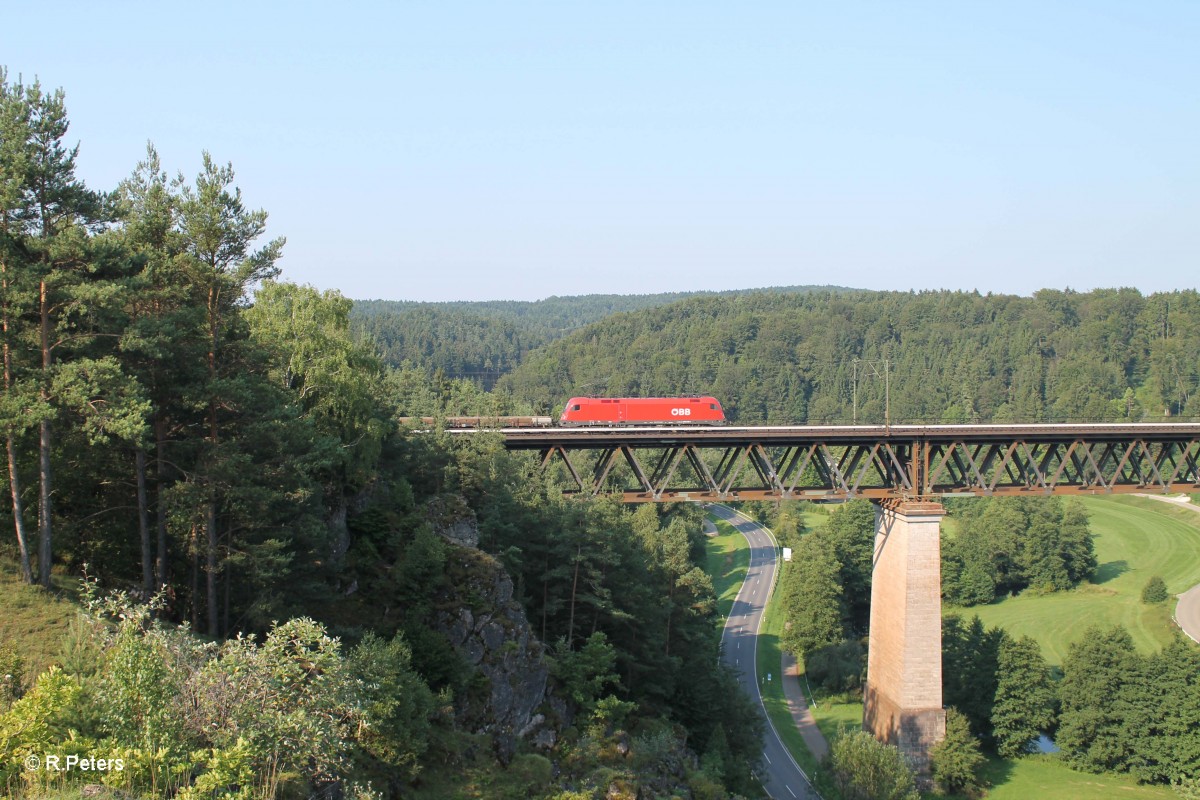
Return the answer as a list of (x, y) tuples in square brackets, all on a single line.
[(950, 356), (309, 599), (483, 340)]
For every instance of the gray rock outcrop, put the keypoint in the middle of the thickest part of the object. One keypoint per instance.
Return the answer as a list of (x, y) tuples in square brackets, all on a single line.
[(489, 629)]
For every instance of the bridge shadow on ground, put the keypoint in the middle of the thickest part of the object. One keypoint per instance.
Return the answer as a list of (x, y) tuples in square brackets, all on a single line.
[(1109, 570)]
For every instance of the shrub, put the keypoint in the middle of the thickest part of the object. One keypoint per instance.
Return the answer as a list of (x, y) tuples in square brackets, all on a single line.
[(863, 768), (34, 724), (395, 705), (837, 667), (12, 674), (1155, 590)]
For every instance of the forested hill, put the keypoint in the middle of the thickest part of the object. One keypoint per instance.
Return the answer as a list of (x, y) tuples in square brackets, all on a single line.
[(483, 340), (951, 356)]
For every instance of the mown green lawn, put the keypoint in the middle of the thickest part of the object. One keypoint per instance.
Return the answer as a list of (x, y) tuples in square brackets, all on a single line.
[(1047, 778), (817, 516), (1136, 538)]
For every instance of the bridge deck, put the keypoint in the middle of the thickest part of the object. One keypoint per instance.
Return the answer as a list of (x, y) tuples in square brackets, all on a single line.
[(644, 436)]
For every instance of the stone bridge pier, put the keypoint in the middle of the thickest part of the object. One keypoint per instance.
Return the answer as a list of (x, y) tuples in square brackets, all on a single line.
[(902, 701)]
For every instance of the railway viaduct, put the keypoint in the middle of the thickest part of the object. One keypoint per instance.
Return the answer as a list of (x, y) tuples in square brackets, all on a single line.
[(904, 470)]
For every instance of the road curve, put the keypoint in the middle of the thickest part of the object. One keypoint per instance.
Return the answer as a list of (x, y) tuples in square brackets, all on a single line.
[(781, 776), (1187, 613)]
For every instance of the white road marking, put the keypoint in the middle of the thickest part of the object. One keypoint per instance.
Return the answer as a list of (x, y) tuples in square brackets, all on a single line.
[(793, 794), (767, 757)]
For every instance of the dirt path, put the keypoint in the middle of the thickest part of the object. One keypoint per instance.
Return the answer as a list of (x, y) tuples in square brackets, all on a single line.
[(798, 705)]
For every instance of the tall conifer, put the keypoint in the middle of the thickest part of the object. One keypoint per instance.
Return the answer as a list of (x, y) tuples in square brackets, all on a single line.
[(14, 140), (219, 233)]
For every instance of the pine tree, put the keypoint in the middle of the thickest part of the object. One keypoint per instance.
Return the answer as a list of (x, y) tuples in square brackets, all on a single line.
[(161, 344), (1025, 697), (956, 759), (970, 655), (851, 532), (59, 209), (586, 673), (717, 755), (14, 132), (1161, 736), (967, 578), (689, 590), (63, 290), (1076, 537), (219, 233)]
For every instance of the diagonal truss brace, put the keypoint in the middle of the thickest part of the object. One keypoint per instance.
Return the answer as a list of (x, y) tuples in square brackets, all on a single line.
[(879, 469)]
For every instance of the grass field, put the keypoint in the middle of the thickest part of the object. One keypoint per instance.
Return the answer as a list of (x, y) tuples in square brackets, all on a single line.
[(728, 558), (1037, 777), (33, 622), (834, 715), (1136, 538), (816, 517)]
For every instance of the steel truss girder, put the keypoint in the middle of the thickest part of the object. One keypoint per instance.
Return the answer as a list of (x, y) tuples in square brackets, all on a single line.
[(878, 469), (1061, 467)]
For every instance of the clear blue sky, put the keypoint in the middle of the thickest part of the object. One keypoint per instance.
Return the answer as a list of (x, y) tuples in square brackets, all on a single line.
[(452, 150)]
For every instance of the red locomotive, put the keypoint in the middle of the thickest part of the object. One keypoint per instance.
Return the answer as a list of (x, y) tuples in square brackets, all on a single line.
[(642, 411)]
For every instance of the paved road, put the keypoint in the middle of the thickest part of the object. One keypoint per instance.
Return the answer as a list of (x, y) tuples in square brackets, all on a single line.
[(780, 774), (1187, 612)]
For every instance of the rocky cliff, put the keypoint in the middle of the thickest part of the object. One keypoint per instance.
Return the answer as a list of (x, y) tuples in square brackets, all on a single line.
[(509, 697)]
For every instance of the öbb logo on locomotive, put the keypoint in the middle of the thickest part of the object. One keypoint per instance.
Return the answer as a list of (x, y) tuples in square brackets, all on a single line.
[(700, 410)]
